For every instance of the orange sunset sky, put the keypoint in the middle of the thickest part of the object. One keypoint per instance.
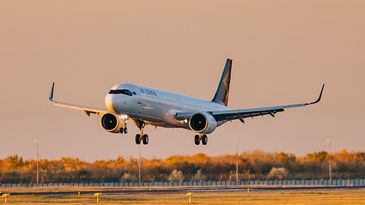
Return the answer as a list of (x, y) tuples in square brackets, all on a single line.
[(282, 52)]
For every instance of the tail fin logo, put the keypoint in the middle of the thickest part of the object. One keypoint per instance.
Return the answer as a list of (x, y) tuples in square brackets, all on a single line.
[(226, 82)]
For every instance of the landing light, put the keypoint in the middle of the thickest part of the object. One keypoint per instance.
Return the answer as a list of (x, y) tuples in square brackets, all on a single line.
[(124, 117), (184, 121)]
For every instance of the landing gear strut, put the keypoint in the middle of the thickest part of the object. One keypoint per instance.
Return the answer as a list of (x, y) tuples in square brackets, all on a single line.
[(202, 138)]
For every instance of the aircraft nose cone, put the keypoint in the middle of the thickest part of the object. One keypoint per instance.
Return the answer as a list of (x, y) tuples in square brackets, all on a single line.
[(109, 102)]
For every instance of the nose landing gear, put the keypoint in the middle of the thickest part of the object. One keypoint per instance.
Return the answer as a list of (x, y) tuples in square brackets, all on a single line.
[(124, 129)]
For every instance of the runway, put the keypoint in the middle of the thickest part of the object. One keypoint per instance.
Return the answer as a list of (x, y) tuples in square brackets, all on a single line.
[(158, 190)]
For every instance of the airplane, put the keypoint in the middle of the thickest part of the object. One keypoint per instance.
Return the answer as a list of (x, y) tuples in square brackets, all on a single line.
[(150, 106)]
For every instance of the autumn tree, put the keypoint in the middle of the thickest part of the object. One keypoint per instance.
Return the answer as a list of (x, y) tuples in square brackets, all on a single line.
[(251, 165), (176, 176)]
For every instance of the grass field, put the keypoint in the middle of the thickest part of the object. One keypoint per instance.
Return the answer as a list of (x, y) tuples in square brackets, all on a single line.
[(317, 197)]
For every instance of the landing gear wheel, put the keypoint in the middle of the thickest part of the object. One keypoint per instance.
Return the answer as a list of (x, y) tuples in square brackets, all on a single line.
[(197, 139), (145, 139), (125, 130), (138, 139), (204, 140), (121, 131)]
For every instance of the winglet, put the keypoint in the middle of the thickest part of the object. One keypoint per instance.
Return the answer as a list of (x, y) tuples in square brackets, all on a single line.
[(50, 98), (319, 98)]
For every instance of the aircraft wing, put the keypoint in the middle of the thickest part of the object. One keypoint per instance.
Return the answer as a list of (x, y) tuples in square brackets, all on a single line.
[(87, 110), (240, 114)]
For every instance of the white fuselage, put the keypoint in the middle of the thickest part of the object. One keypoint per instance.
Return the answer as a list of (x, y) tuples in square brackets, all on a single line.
[(156, 107)]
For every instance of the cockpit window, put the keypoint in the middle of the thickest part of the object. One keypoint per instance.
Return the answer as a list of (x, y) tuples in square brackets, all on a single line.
[(122, 91)]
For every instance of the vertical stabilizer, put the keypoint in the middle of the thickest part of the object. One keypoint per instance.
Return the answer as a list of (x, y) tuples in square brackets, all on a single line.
[(221, 95)]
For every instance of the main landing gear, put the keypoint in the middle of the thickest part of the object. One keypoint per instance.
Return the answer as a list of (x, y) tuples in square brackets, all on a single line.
[(141, 137), (202, 138)]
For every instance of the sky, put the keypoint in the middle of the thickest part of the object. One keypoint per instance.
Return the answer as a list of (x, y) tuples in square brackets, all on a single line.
[(282, 52)]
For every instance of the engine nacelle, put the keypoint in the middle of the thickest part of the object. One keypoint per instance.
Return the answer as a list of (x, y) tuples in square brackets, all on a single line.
[(111, 122), (202, 123)]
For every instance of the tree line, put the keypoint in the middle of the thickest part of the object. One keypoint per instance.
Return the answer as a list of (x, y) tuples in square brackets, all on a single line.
[(197, 167)]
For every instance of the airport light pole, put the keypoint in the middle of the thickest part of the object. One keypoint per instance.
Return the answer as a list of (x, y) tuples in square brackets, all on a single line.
[(237, 161), (139, 165), (329, 161), (36, 142)]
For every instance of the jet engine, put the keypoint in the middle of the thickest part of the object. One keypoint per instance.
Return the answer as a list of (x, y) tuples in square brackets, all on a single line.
[(111, 122), (202, 123)]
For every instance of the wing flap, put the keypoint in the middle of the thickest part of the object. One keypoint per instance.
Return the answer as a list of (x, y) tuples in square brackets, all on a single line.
[(245, 113)]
